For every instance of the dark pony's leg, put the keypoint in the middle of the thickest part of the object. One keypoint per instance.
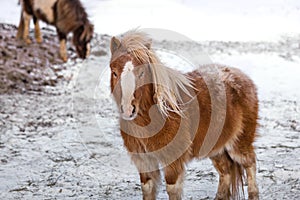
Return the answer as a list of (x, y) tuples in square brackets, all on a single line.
[(223, 165), (20, 27), (174, 175), (62, 43), (26, 18), (26, 15), (37, 30), (23, 29)]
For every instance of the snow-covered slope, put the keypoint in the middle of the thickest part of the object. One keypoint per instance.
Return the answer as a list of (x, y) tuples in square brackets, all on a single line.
[(199, 20)]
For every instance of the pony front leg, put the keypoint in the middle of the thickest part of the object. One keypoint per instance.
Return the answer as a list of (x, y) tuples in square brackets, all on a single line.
[(25, 27), (149, 182), (37, 30), (20, 28), (63, 50), (62, 45), (174, 175), (149, 175)]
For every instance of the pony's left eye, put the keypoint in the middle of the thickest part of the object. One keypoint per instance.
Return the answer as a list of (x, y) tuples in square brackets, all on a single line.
[(115, 74), (141, 74)]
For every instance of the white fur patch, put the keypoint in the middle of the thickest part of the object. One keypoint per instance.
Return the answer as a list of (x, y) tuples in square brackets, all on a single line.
[(128, 87), (177, 187), (26, 16), (45, 7), (128, 66), (148, 187)]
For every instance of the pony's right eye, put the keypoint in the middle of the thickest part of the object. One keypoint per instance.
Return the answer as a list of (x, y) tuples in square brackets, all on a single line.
[(141, 74), (114, 74)]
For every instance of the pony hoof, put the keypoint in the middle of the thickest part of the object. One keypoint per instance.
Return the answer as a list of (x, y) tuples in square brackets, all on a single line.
[(222, 197), (218, 198), (64, 58), (28, 41), (18, 37), (39, 40), (253, 197)]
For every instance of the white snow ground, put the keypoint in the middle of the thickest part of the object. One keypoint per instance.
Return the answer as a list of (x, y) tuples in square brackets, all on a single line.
[(199, 20)]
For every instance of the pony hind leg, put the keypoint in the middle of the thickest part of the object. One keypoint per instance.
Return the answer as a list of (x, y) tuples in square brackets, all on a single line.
[(20, 28), (62, 45), (242, 152), (252, 186), (247, 158), (223, 164), (37, 30), (26, 22)]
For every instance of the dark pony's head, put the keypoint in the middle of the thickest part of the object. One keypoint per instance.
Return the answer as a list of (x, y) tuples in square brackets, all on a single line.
[(82, 38), (139, 79)]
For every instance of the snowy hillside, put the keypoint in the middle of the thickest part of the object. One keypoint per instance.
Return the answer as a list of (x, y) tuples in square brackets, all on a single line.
[(232, 20)]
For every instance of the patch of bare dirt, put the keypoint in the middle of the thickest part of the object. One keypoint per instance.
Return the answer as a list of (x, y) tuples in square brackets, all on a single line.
[(33, 67)]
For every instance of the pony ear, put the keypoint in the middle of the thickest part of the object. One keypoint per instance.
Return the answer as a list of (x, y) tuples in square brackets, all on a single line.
[(114, 44), (148, 44)]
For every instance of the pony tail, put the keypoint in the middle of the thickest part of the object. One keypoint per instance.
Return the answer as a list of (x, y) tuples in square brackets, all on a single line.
[(237, 180)]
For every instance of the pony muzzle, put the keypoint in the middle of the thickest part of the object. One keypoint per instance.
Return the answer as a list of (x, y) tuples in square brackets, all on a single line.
[(88, 50), (128, 112)]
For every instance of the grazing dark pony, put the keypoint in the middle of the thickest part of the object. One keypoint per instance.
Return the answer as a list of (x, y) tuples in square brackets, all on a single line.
[(66, 15), (168, 118)]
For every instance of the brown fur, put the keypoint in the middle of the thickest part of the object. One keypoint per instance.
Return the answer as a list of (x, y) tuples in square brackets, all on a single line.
[(181, 136), (68, 16)]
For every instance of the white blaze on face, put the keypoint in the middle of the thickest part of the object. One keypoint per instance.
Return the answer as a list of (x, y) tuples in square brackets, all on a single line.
[(128, 88)]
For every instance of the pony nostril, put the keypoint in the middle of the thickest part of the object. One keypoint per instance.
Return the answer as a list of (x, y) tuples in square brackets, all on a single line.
[(128, 111), (133, 110)]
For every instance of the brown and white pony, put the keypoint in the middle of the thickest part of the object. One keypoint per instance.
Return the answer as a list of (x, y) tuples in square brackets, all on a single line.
[(168, 118), (66, 15)]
